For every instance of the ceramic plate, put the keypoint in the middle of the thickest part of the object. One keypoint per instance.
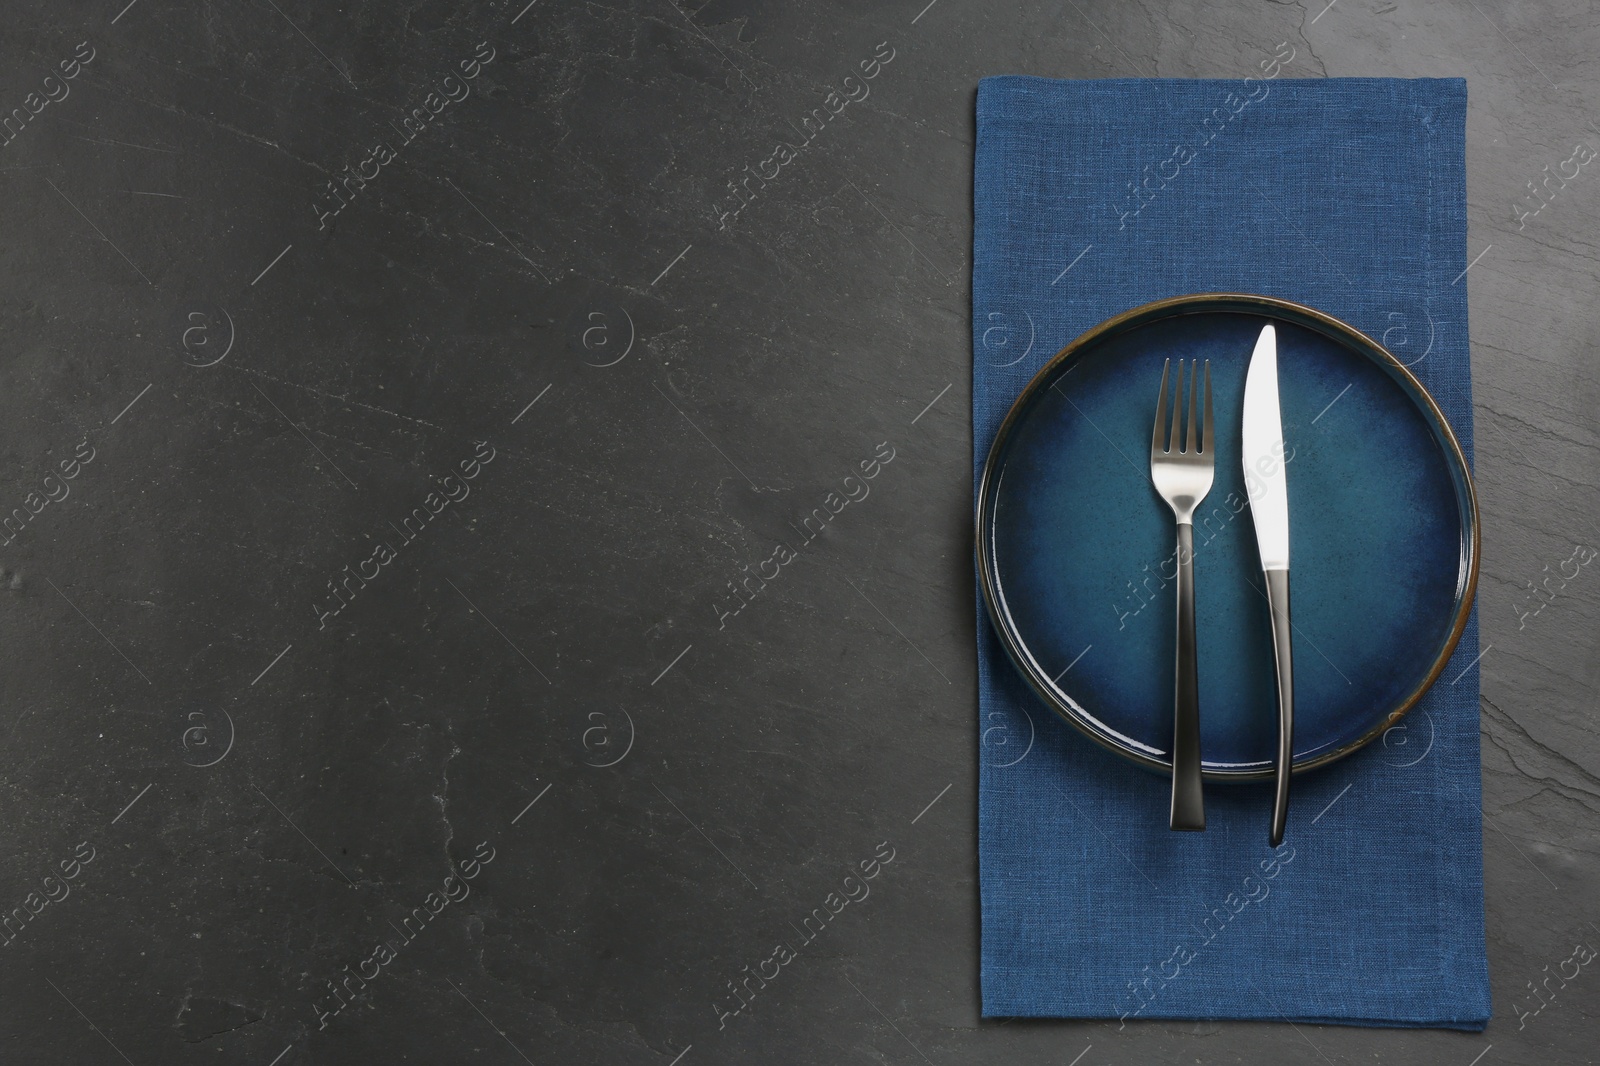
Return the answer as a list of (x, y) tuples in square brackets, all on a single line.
[(1075, 548)]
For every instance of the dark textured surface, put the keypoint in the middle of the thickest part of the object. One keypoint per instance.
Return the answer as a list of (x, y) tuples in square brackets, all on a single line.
[(163, 611)]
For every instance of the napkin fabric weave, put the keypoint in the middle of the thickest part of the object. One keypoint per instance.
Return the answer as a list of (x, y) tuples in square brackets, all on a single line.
[(1349, 195)]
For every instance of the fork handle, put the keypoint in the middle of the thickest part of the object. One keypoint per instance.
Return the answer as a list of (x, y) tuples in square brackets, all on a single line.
[(1278, 604), (1188, 801)]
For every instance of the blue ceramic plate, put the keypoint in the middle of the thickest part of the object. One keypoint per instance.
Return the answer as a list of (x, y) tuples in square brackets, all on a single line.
[(1075, 549)]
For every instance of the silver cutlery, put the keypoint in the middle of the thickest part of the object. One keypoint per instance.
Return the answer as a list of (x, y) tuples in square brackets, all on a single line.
[(1262, 446), (1182, 470)]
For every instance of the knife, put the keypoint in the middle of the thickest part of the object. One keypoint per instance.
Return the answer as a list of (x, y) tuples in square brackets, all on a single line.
[(1262, 446)]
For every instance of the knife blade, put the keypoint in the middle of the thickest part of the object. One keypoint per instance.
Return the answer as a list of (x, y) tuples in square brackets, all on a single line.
[(1268, 488)]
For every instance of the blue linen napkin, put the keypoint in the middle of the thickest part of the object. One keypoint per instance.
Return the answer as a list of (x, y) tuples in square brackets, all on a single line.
[(1348, 195)]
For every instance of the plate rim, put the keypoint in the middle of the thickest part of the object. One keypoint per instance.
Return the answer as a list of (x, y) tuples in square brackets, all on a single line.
[(1248, 303)]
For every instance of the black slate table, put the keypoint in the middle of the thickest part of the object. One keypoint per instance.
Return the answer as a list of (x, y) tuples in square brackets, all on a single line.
[(448, 616)]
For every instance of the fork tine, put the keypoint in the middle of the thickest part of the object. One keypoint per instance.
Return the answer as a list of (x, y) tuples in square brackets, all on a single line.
[(1194, 397), (1205, 425), (1158, 438), (1176, 444)]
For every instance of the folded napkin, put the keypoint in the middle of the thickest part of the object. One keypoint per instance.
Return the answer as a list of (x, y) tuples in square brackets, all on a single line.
[(1348, 195)]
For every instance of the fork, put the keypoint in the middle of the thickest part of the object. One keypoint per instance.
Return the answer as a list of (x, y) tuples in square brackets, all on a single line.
[(1182, 472)]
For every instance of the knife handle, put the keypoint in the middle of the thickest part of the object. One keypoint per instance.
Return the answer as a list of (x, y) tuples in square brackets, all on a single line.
[(1188, 799), (1278, 604)]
